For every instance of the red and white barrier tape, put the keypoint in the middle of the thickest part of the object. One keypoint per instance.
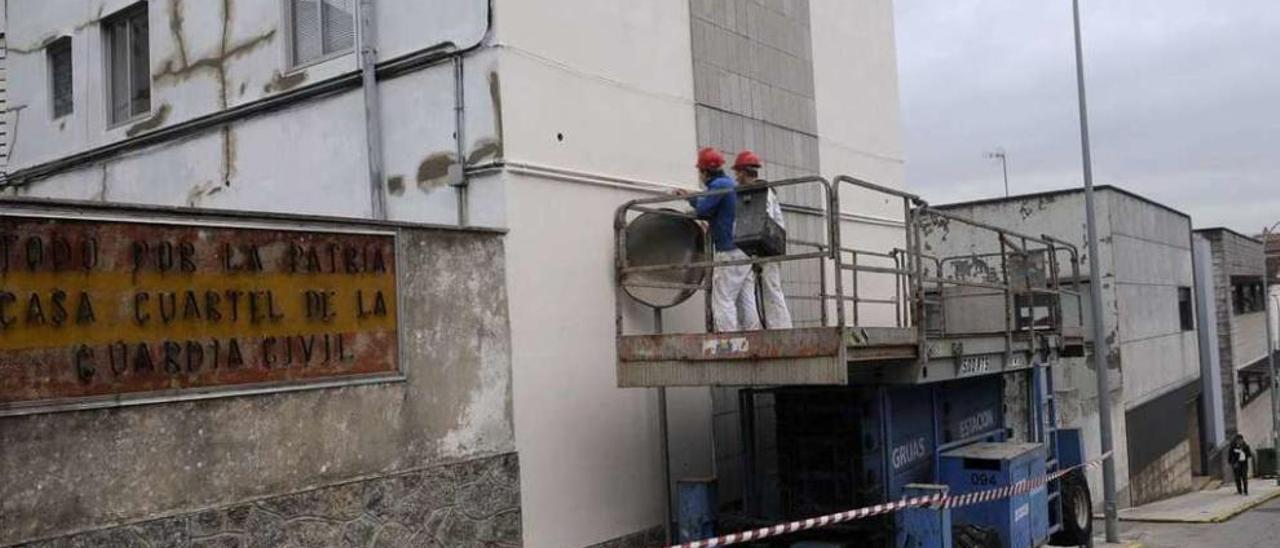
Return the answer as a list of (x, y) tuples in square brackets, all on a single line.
[(935, 501)]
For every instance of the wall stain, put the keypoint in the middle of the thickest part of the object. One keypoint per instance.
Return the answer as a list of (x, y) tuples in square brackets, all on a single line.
[(44, 41), (101, 196), (201, 191), (228, 155), (433, 172), (485, 149), (181, 67), (154, 121), (35, 47), (495, 97), (395, 185), (282, 82)]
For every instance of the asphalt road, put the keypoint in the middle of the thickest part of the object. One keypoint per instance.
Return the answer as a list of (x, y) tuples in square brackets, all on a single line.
[(1257, 528)]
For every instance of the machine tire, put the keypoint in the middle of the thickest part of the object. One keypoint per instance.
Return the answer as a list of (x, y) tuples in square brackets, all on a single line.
[(974, 536), (1077, 512)]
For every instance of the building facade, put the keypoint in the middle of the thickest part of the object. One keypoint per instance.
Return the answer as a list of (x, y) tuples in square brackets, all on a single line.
[(1149, 318), (533, 118), (1240, 307)]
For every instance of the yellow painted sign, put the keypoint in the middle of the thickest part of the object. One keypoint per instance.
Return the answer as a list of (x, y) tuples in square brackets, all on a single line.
[(94, 309)]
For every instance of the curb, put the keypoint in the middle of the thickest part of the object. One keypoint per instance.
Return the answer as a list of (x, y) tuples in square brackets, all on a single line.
[(1098, 541), (1220, 518)]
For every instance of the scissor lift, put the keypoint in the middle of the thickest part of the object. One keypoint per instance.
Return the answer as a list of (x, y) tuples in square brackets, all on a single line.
[(969, 301)]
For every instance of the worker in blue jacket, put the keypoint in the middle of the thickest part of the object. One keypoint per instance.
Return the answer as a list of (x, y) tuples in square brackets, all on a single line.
[(733, 297)]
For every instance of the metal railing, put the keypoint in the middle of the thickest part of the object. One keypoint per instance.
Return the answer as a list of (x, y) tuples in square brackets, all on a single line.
[(1026, 272)]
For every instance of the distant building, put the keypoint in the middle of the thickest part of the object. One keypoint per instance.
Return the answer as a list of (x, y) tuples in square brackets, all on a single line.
[(1242, 337), (1150, 325)]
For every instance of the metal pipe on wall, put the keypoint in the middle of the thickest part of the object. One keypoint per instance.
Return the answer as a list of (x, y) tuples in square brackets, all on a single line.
[(459, 132), (367, 34)]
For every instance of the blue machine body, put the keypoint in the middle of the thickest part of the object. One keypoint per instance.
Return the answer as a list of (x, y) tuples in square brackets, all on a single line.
[(696, 517), (1021, 520), (924, 527)]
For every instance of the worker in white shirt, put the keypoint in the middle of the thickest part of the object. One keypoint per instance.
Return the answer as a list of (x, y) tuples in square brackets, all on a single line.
[(746, 170)]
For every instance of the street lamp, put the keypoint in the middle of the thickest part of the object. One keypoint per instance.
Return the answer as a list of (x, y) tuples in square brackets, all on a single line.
[(1095, 299), (999, 154), (1271, 347)]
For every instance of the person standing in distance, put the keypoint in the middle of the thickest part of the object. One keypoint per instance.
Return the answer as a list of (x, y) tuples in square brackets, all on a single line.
[(1238, 455), (733, 296), (746, 169)]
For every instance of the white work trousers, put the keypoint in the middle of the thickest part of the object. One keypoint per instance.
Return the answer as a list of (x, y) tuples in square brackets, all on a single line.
[(733, 294), (776, 315)]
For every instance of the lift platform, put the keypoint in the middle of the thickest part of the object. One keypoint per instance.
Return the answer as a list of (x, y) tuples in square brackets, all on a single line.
[(905, 346), (982, 301)]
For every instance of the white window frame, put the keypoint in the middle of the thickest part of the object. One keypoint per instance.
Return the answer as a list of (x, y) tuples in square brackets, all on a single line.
[(58, 42), (107, 23), (291, 46)]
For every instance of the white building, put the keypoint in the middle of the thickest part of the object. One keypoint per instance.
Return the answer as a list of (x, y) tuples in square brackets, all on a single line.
[(535, 117), (1149, 318)]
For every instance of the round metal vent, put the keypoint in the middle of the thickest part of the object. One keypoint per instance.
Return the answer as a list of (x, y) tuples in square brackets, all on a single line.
[(655, 239)]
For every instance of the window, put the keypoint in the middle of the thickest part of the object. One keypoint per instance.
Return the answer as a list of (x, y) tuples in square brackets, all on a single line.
[(58, 55), (1185, 310), (321, 29), (128, 63), (1246, 296)]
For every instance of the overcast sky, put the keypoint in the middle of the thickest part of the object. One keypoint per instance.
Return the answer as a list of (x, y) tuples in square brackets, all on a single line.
[(1184, 100)]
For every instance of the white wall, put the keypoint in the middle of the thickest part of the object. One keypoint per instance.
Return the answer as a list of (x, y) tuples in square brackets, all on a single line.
[(860, 130), (856, 92), (1151, 249), (588, 103), (1248, 338), (608, 96), (310, 158), (1273, 305)]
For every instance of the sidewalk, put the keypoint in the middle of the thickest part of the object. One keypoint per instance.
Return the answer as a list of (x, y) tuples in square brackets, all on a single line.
[(1212, 506)]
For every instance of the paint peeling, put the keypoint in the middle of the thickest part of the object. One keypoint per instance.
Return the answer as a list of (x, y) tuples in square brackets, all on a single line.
[(282, 82), (154, 121), (395, 185), (433, 172)]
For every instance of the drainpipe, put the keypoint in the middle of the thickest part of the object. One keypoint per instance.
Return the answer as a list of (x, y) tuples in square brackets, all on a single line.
[(372, 108), (459, 179)]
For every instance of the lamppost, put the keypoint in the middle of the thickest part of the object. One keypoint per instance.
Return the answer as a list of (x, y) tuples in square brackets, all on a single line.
[(1100, 360), (1271, 347), (999, 154)]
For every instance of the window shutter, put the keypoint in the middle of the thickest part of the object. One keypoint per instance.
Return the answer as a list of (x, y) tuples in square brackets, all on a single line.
[(306, 31), (119, 63), (60, 77), (339, 26), (139, 64)]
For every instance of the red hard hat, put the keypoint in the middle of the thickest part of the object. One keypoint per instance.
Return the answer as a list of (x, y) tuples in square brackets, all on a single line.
[(710, 158), (747, 158)]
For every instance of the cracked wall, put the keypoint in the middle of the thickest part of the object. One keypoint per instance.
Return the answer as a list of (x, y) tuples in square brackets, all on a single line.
[(209, 56), (419, 440)]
